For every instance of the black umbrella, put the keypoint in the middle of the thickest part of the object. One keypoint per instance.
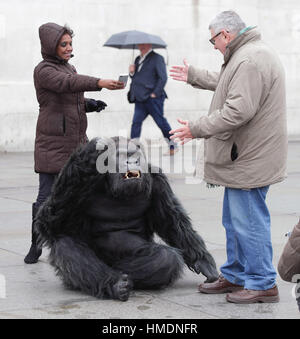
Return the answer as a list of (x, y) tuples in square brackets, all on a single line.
[(131, 40)]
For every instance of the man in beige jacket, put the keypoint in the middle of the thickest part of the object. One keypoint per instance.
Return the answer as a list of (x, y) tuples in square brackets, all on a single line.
[(245, 151)]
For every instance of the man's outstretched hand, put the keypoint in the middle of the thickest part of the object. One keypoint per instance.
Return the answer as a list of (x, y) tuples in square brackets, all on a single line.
[(182, 134), (180, 73)]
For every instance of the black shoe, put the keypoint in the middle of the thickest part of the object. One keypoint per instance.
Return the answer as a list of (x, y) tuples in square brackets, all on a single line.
[(35, 251)]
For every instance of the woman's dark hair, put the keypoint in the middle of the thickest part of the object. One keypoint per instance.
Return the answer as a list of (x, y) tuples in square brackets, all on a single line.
[(68, 30)]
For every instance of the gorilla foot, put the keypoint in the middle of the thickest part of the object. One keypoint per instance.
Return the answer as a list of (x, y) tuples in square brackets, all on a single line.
[(122, 287), (33, 255)]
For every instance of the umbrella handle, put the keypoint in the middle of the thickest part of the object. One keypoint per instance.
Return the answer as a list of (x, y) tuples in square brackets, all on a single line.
[(132, 61), (167, 57)]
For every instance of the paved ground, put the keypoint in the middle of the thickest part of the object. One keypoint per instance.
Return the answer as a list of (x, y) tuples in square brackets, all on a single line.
[(33, 291)]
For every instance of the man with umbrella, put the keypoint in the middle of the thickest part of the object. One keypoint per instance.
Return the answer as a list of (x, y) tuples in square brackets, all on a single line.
[(149, 77)]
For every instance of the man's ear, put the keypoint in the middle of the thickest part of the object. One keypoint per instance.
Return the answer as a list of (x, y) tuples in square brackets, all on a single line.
[(229, 36)]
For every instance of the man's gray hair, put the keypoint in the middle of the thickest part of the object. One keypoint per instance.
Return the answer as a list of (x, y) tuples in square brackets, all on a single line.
[(228, 20)]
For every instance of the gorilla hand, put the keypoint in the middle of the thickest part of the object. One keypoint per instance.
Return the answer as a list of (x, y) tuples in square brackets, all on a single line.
[(206, 268), (122, 287)]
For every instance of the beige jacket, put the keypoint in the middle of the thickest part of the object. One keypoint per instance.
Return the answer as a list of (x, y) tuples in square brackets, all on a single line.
[(245, 129)]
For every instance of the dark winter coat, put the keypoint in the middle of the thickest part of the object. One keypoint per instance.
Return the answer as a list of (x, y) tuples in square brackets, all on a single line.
[(62, 120)]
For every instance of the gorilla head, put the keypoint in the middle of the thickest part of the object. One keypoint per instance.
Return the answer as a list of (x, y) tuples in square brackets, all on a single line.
[(125, 165)]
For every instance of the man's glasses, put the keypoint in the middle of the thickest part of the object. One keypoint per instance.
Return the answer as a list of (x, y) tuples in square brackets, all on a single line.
[(212, 40)]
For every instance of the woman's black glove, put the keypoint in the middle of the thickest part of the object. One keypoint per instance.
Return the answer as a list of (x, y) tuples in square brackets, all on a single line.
[(92, 105)]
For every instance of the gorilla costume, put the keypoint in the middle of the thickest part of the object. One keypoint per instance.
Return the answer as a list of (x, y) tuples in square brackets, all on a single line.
[(99, 224)]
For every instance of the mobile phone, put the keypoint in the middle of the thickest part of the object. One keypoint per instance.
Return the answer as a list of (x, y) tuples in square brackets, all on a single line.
[(123, 78)]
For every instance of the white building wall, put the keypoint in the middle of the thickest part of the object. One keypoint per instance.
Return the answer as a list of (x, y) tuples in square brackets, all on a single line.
[(183, 24)]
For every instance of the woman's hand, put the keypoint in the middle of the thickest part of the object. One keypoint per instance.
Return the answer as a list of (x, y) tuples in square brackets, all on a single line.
[(111, 84)]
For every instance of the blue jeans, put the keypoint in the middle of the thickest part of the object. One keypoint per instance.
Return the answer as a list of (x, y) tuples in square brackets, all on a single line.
[(154, 107), (246, 220)]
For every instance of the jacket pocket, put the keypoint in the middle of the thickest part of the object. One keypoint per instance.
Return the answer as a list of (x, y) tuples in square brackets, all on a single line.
[(218, 152), (55, 125), (234, 152)]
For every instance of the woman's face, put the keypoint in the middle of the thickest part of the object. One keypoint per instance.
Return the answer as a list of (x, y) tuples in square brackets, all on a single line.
[(64, 48)]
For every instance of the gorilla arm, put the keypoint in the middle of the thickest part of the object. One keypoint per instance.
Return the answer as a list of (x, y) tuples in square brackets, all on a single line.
[(63, 212), (171, 222)]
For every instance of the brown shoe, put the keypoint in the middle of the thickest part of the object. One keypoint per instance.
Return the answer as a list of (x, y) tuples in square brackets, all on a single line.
[(219, 286), (251, 296)]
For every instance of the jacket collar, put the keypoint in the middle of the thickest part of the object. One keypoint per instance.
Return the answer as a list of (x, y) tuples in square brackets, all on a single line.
[(146, 56), (247, 35), (55, 59)]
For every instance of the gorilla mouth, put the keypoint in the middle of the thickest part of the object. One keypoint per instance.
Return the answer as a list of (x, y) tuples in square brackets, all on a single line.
[(132, 174)]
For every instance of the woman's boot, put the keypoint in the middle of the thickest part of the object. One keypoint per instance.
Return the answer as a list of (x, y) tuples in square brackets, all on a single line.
[(34, 252)]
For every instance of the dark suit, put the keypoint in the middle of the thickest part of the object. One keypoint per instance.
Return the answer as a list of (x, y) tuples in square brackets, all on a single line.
[(151, 78)]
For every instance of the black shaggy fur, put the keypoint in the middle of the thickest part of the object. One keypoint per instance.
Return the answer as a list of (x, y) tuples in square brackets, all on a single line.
[(100, 226)]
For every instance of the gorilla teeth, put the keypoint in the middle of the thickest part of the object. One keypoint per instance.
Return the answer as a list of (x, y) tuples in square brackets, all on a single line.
[(132, 174)]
